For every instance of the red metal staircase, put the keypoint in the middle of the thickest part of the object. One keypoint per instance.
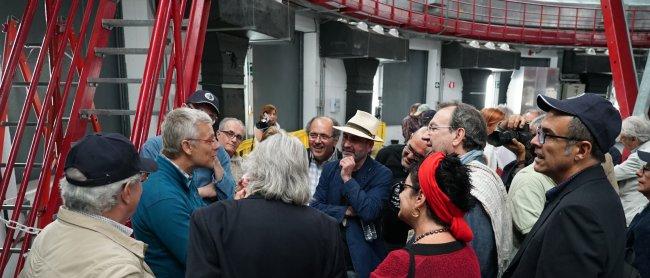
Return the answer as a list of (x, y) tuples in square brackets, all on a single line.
[(72, 83)]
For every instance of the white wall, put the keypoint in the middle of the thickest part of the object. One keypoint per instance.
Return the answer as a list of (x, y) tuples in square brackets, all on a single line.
[(335, 85), (137, 37), (448, 93)]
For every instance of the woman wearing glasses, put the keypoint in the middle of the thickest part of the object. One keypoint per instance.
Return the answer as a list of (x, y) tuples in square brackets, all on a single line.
[(433, 200)]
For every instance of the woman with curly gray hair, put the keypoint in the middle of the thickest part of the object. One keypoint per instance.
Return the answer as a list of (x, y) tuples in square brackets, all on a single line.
[(272, 228)]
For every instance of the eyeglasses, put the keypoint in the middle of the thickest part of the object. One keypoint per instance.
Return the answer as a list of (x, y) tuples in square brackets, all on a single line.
[(315, 136), (645, 168), (210, 141), (410, 150), (232, 135), (401, 186), (541, 135), (432, 127)]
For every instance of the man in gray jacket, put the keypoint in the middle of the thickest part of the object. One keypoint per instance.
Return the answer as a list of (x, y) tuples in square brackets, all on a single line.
[(101, 190)]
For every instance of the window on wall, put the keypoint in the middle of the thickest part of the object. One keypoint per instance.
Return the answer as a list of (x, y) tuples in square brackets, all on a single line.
[(402, 84)]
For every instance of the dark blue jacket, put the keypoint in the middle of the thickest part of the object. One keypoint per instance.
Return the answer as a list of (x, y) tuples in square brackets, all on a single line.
[(639, 233), (162, 218), (366, 193)]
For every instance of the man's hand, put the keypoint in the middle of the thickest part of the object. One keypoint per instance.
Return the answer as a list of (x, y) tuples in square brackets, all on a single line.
[(207, 191), (347, 165), (518, 148), (218, 169), (513, 122)]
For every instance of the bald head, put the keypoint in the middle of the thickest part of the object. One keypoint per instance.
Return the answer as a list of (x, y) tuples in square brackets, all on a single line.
[(416, 148)]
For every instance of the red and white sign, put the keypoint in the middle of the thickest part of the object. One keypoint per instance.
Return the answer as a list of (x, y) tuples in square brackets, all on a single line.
[(451, 84)]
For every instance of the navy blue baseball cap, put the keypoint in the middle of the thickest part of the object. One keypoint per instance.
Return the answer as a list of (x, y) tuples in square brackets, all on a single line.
[(598, 114), (645, 156), (203, 96), (105, 159)]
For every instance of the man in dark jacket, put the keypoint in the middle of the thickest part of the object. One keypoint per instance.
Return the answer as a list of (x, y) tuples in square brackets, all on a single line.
[(581, 231), (353, 190)]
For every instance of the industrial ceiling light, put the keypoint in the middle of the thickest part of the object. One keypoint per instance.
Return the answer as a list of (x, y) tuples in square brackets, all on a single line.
[(504, 46), (474, 44), (363, 26), (490, 45), (591, 51), (393, 32), (378, 29)]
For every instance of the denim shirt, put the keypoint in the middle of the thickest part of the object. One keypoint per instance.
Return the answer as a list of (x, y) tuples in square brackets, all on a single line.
[(200, 176)]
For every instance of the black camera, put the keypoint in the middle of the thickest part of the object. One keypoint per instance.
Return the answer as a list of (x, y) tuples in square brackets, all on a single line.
[(504, 137)]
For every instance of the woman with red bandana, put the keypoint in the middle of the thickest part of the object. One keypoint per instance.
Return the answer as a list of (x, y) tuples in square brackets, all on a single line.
[(433, 200)]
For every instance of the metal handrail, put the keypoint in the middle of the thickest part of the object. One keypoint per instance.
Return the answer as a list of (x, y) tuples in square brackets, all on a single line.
[(503, 20)]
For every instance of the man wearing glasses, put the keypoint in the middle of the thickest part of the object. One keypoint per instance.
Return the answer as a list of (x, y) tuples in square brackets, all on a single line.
[(101, 190), (459, 128), (214, 181), (581, 231), (230, 134), (398, 158), (322, 146), (169, 197)]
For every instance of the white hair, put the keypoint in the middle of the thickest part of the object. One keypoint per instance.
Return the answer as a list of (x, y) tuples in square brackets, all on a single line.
[(638, 127), (225, 121), (92, 200), (277, 169), (181, 124)]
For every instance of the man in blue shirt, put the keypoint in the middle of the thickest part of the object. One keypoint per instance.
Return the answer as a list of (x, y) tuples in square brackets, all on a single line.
[(218, 175), (353, 190), (169, 197)]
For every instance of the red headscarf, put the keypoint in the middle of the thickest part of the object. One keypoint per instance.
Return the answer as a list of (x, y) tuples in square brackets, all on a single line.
[(439, 202)]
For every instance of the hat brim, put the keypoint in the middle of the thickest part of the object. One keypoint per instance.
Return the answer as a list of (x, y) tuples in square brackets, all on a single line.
[(148, 165), (206, 102), (358, 133), (645, 156), (548, 104)]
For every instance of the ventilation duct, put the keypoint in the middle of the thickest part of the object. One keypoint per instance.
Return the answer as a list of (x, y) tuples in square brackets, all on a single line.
[(581, 62), (457, 55), (262, 21), (360, 74), (222, 67), (342, 40), (474, 81)]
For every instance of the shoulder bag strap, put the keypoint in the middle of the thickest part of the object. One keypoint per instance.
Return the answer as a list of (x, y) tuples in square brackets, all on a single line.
[(411, 262)]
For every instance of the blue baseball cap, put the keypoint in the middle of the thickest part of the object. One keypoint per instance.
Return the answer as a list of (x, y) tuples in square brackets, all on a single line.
[(104, 159), (203, 96), (598, 114), (645, 156)]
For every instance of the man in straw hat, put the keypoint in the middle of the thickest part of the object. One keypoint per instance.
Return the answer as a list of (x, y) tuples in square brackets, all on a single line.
[(353, 190)]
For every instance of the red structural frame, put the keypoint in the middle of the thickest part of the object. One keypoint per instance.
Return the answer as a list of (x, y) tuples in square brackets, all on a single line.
[(50, 112), (513, 21), (620, 55)]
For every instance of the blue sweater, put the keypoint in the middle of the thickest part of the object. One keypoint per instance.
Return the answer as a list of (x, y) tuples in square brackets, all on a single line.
[(366, 192), (162, 218), (201, 176)]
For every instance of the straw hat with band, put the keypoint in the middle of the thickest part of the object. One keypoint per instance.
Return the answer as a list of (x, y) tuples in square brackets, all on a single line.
[(362, 124)]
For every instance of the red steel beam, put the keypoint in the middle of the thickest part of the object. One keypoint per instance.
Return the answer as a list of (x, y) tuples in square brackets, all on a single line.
[(620, 55)]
